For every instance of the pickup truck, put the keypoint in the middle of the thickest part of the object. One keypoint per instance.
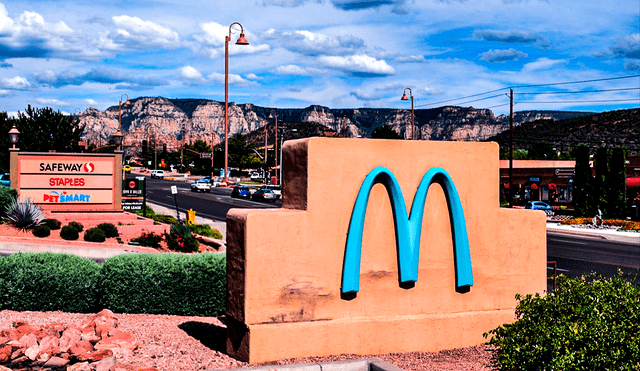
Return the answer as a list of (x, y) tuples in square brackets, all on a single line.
[(200, 186), (157, 174)]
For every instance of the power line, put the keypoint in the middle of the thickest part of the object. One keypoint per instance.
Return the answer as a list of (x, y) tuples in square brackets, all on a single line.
[(575, 92), (581, 101), (532, 85)]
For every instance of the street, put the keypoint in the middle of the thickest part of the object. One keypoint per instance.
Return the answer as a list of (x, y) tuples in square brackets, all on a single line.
[(213, 205), (578, 255)]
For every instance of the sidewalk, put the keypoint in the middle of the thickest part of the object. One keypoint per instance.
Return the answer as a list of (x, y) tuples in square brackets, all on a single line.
[(606, 234), (221, 226)]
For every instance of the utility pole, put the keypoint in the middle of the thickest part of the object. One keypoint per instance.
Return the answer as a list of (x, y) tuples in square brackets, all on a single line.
[(510, 148), (344, 127)]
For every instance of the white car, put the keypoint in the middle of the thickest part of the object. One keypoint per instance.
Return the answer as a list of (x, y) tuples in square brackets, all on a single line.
[(275, 188), (200, 186), (157, 174)]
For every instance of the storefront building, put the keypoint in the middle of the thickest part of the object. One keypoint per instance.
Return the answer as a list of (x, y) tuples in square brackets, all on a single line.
[(548, 181)]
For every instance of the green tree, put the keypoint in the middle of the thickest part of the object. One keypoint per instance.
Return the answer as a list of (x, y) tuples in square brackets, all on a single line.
[(542, 151), (242, 154), (385, 132), (41, 130), (582, 184), (599, 194), (616, 184)]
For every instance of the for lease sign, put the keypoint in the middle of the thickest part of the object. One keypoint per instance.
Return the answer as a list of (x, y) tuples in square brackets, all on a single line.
[(67, 181)]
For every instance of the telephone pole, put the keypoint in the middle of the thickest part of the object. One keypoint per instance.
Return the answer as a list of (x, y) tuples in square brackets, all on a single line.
[(510, 148)]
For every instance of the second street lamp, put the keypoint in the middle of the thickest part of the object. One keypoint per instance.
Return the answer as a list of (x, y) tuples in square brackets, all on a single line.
[(241, 41), (117, 137), (404, 97)]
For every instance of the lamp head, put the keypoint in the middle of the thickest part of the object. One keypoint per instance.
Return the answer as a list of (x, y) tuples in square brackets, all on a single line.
[(404, 96), (14, 134), (242, 40), (117, 138)]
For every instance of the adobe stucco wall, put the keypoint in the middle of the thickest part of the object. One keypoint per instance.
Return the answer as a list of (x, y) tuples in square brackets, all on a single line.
[(285, 265)]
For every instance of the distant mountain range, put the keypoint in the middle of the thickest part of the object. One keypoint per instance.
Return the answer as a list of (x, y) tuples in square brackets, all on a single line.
[(171, 121), (608, 129)]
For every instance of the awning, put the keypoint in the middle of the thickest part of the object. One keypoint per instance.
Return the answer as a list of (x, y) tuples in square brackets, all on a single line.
[(506, 185), (633, 182), (534, 186), (553, 186)]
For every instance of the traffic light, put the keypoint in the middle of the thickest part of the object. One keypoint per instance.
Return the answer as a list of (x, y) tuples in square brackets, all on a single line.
[(164, 147), (144, 147)]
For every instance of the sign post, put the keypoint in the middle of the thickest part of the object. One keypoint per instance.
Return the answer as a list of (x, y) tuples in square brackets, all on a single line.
[(174, 192), (134, 194)]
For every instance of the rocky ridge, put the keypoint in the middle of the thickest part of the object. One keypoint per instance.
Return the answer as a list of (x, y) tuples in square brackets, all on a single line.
[(172, 120)]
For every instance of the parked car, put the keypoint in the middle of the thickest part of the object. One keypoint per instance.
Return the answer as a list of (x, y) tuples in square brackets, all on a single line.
[(255, 175), (241, 192), (127, 169), (539, 205), (4, 180), (200, 186), (264, 194), (159, 174), (275, 188)]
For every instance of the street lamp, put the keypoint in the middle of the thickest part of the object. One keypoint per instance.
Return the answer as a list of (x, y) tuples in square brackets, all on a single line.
[(241, 41), (281, 145), (117, 137), (14, 135), (275, 142), (404, 97)]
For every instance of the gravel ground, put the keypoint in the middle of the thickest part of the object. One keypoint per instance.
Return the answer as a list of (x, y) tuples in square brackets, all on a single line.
[(177, 343)]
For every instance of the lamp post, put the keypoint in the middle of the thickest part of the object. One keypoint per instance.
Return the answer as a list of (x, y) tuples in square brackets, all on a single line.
[(117, 137), (241, 41), (404, 97), (281, 145), (275, 143), (14, 135), (265, 141)]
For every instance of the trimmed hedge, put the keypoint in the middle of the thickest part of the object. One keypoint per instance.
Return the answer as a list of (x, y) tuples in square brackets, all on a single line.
[(175, 284), (165, 284), (588, 323), (47, 282)]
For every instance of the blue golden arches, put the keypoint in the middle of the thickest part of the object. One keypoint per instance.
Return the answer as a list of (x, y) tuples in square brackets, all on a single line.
[(408, 228)]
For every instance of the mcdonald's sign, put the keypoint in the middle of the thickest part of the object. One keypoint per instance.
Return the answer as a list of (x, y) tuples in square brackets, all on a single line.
[(408, 228), (320, 275)]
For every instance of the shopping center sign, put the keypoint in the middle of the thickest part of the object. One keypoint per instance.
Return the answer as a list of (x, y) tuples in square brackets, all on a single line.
[(343, 267), (68, 181)]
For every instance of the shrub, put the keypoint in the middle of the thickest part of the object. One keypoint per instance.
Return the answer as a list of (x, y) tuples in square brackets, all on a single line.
[(77, 226), (7, 197), (205, 230), (24, 215), (181, 239), (588, 323), (109, 230), (41, 230), (69, 232), (53, 224), (149, 240), (149, 211), (166, 219), (47, 282), (94, 235), (165, 284)]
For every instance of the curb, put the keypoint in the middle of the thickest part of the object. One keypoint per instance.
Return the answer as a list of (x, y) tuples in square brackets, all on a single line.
[(605, 234)]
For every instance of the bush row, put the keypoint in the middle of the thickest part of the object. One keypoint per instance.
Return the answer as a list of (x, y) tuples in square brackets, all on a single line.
[(624, 225), (130, 283)]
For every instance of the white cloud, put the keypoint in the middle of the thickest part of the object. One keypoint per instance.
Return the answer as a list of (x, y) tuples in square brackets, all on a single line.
[(627, 47), (51, 102), (361, 65), (135, 33), (90, 102), (501, 56), (6, 23), (543, 64), (218, 78), (292, 69), (313, 43), (16, 83), (411, 59), (190, 73)]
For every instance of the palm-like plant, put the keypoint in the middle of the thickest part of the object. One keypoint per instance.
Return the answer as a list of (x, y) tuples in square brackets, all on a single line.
[(25, 214)]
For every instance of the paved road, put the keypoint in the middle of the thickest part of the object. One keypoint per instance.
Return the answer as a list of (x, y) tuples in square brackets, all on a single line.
[(577, 255), (213, 205)]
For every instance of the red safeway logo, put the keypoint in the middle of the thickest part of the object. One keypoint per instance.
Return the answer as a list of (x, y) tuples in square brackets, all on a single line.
[(89, 167)]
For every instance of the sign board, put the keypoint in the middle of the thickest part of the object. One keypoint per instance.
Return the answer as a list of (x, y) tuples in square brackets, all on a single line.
[(412, 254), (206, 155), (68, 181), (174, 190), (133, 193)]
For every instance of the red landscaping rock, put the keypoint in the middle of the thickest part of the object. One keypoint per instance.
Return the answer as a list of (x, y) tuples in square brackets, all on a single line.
[(5, 353), (89, 347)]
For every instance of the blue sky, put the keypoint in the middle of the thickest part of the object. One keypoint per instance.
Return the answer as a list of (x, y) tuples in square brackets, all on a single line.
[(72, 55)]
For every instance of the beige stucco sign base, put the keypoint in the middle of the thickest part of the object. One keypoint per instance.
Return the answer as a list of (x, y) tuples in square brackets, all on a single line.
[(285, 265)]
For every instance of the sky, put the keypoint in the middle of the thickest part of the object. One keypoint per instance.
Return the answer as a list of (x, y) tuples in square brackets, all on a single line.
[(72, 55)]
